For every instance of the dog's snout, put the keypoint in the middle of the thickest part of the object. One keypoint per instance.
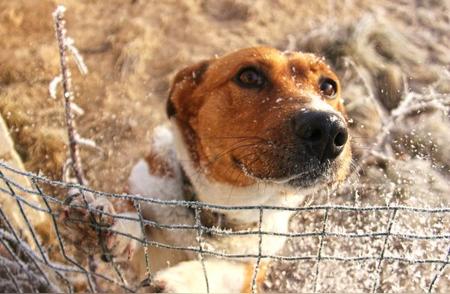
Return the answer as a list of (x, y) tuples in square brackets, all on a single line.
[(324, 133)]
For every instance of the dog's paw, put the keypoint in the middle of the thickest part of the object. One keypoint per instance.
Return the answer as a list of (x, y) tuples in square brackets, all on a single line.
[(125, 238), (162, 285), (154, 286), (86, 222), (82, 207), (185, 277), (188, 277)]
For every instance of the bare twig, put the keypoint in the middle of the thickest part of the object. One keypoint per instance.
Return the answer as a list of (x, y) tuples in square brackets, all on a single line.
[(65, 43), (53, 86), (66, 80)]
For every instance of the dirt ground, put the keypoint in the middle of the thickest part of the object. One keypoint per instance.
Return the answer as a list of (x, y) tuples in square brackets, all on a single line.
[(383, 51), (132, 49)]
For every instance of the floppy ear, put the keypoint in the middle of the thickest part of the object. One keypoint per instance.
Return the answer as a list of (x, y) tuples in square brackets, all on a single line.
[(183, 104), (183, 86)]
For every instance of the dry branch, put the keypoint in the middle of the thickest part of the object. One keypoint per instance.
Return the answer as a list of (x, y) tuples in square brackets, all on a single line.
[(65, 43), (65, 77)]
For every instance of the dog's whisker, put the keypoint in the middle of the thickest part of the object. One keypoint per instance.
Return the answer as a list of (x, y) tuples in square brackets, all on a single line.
[(226, 152), (236, 137)]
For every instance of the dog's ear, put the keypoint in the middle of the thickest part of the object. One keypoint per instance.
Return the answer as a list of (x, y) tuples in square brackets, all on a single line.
[(183, 85)]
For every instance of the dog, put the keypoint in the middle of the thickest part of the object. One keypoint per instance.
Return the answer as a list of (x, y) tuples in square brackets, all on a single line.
[(254, 127)]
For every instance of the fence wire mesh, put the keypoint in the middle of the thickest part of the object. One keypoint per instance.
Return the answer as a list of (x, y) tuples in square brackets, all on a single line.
[(29, 264)]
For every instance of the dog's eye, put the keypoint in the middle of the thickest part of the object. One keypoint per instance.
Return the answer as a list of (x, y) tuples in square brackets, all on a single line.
[(250, 78), (328, 87)]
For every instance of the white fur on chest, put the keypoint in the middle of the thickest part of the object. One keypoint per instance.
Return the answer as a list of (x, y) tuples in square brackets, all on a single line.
[(260, 194)]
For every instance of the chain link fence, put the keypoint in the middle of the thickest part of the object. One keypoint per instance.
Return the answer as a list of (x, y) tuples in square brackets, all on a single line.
[(29, 264)]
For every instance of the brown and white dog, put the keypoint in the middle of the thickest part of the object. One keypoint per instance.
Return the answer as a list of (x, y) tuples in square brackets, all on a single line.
[(255, 127)]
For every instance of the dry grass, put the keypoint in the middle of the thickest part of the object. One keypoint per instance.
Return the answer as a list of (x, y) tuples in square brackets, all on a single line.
[(383, 51)]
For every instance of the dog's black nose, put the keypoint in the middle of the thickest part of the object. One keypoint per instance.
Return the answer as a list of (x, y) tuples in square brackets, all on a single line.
[(324, 133)]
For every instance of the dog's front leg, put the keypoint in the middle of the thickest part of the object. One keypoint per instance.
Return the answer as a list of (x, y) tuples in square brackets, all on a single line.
[(223, 276)]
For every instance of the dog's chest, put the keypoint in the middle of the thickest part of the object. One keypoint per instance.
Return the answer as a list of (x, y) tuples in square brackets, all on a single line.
[(238, 232), (244, 239)]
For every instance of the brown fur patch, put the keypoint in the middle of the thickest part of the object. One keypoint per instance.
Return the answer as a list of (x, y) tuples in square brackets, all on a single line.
[(158, 166)]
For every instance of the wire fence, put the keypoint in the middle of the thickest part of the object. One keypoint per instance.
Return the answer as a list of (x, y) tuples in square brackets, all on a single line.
[(33, 261)]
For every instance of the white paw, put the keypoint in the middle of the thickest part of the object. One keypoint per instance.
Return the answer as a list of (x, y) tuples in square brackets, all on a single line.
[(188, 277), (126, 236)]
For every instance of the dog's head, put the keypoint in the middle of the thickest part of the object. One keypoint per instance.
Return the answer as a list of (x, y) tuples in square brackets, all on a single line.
[(259, 114)]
